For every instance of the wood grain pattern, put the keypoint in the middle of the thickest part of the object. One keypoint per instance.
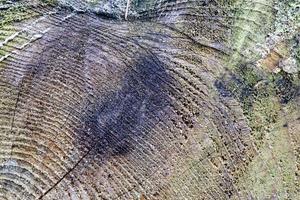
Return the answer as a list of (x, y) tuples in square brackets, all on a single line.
[(95, 107)]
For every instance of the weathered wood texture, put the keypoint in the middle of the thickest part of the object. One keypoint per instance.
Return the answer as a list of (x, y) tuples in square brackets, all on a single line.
[(188, 99)]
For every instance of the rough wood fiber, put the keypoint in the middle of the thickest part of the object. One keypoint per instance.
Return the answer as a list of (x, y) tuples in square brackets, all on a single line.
[(188, 99)]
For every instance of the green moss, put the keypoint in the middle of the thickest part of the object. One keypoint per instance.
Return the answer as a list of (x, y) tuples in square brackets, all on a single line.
[(242, 84), (15, 14), (264, 113), (2, 52), (272, 172), (260, 96), (252, 23), (50, 2)]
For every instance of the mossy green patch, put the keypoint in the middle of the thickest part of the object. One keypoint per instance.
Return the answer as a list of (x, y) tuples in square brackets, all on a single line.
[(264, 112), (15, 14), (50, 2), (251, 25), (272, 172), (2, 53), (261, 96)]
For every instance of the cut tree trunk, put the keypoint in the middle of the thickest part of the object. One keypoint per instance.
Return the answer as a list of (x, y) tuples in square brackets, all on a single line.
[(185, 100)]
